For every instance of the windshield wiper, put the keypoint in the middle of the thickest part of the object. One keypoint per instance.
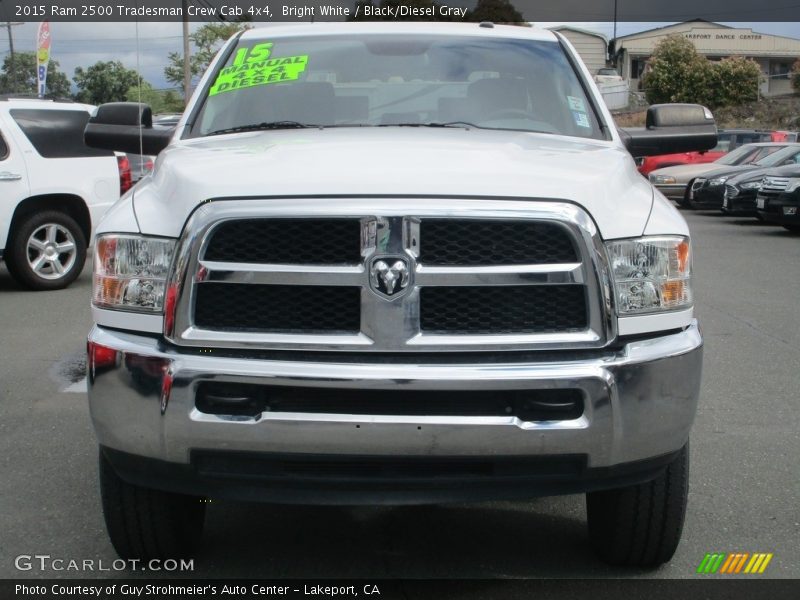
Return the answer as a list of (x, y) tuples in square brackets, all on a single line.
[(458, 124), (263, 126)]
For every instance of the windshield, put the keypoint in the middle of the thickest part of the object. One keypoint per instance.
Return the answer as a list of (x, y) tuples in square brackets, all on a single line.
[(788, 155), (738, 155), (392, 79)]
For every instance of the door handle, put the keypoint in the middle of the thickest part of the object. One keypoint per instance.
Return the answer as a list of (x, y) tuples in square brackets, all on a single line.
[(8, 176)]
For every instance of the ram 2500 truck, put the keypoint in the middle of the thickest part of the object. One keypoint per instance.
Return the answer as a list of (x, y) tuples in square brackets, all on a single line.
[(391, 264)]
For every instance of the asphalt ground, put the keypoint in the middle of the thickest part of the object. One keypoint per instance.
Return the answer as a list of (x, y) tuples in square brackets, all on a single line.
[(745, 478)]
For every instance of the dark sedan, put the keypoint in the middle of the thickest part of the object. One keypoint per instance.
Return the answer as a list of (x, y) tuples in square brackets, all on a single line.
[(708, 191), (778, 199), (739, 197)]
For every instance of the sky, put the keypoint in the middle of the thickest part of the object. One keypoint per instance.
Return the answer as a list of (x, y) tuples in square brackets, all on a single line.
[(83, 44)]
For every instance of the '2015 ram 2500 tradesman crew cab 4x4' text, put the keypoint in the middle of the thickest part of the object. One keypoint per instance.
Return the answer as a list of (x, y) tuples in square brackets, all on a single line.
[(395, 263)]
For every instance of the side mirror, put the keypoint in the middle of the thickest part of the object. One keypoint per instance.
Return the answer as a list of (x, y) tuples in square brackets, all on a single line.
[(672, 128), (126, 127)]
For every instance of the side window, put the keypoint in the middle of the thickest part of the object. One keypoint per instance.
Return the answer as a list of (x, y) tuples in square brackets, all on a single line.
[(56, 133), (3, 147)]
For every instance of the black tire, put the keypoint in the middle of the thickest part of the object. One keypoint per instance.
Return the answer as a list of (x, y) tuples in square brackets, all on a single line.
[(641, 525), (19, 254), (792, 228), (148, 524)]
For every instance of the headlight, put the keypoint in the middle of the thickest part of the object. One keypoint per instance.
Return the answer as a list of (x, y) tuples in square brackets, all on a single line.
[(130, 272), (651, 274), (750, 185), (717, 181), (662, 179), (793, 184)]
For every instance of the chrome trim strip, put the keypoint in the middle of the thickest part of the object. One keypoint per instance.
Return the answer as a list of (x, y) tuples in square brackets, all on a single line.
[(500, 275), (275, 274), (390, 228)]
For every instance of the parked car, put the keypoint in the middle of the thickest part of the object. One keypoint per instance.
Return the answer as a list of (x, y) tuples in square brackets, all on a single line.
[(352, 286), (166, 119), (141, 165), (54, 190), (673, 181), (778, 199), (707, 191), (728, 140), (607, 75)]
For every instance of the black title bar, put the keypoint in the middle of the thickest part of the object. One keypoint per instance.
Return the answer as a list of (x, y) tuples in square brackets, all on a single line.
[(342, 10)]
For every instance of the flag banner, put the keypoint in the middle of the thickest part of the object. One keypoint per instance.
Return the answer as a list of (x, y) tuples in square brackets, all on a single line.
[(43, 41)]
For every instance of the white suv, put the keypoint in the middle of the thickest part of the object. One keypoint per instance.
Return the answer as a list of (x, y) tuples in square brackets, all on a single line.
[(53, 189)]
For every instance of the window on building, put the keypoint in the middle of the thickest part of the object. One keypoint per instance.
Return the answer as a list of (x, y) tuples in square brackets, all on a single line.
[(779, 69), (637, 67)]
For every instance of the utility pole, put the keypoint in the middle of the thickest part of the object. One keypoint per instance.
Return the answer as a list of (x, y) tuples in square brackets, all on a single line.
[(187, 71), (8, 25)]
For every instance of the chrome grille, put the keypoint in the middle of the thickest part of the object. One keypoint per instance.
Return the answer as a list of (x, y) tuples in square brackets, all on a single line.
[(534, 276), (277, 308), (499, 310), (297, 241), (467, 242), (774, 184)]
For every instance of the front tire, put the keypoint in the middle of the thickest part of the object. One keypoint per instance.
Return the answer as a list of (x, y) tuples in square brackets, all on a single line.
[(46, 251), (148, 524), (792, 228), (641, 525)]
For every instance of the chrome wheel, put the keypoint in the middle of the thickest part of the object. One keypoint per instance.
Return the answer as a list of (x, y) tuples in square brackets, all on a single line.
[(51, 251)]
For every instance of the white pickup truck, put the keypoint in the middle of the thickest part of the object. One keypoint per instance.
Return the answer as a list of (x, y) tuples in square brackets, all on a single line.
[(395, 263)]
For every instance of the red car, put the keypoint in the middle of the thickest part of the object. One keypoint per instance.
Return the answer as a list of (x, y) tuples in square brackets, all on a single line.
[(728, 140)]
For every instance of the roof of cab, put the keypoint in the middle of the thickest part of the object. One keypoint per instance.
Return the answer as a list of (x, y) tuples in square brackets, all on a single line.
[(418, 27)]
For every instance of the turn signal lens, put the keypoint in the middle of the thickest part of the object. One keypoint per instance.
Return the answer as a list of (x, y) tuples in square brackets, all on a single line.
[(130, 272), (651, 274)]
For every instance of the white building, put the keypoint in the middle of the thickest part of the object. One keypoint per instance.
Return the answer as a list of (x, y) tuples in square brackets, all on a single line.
[(592, 47), (774, 54)]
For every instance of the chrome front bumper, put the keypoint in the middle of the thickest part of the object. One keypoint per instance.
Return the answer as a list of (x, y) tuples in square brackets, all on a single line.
[(640, 401)]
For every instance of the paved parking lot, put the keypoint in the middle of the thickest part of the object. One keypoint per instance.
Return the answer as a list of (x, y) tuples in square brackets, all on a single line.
[(745, 488)]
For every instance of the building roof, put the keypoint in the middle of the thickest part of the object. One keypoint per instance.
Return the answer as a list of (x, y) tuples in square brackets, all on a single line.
[(579, 30), (709, 24)]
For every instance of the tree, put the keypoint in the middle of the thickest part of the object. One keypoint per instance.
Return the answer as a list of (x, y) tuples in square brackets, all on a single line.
[(796, 76), (734, 81), (159, 101), (20, 77), (104, 82), (206, 40), (678, 73), (496, 11)]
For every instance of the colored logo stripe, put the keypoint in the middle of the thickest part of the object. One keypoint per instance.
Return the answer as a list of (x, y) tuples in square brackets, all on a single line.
[(734, 563)]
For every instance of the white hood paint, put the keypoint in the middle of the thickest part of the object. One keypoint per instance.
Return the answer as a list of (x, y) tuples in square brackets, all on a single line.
[(600, 176)]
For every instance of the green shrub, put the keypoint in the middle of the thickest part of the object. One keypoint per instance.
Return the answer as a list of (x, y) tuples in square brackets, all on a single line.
[(678, 73)]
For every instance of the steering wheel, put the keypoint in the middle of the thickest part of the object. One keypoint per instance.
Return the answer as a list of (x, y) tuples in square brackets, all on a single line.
[(508, 113)]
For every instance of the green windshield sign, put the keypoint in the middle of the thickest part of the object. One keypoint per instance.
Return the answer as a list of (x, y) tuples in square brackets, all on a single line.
[(254, 66)]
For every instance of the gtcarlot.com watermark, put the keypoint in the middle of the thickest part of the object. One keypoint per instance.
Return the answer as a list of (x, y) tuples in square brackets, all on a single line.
[(47, 562)]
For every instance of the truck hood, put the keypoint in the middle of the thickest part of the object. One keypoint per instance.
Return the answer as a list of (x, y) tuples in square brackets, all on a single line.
[(395, 161)]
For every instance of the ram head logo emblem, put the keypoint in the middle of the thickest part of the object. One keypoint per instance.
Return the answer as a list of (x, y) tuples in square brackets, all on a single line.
[(389, 276)]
